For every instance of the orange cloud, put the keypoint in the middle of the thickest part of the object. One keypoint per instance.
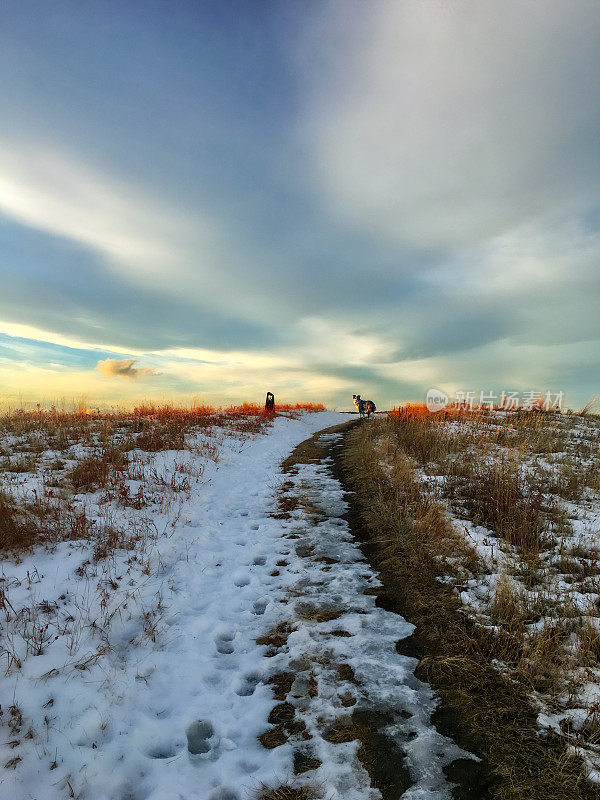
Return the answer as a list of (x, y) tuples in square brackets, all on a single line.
[(123, 368)]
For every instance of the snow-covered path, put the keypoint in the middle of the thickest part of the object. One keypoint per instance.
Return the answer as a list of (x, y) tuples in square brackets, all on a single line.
[(180, 717), (343, 647)]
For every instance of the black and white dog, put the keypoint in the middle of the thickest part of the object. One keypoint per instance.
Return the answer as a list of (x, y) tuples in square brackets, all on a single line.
[(364, 406)]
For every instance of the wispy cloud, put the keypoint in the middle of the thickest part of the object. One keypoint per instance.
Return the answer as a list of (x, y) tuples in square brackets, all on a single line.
[(50, 191), (35, 334), (123, 368), (442, 126)]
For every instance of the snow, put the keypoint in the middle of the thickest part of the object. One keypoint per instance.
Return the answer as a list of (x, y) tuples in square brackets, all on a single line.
[(150, 684), (385, 679)]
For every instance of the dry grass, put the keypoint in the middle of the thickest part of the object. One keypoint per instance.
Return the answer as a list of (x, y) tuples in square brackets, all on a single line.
[(508, 606), (589, 644), (17, 528), (276, 638), (491, 468), (103, 451), (499, 495), (75, 423), (411, 540), (287, 792)]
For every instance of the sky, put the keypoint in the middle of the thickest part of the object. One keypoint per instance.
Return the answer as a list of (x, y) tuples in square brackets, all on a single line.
[(217, 198)]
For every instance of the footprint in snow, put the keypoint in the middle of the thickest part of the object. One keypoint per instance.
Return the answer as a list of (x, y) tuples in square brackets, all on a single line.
[(164, 750), (134, 790), (259, 561), (259, 607), (223, 793), (200, 737), (248, 684), (241, 579), (223, 642)]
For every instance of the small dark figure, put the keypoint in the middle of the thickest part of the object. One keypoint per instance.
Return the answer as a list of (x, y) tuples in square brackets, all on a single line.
[(270, 403)]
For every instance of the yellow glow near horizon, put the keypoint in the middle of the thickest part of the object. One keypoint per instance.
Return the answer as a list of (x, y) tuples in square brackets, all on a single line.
[(220, 376)]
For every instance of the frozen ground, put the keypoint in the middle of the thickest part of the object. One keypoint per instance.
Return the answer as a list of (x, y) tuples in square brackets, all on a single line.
[(141, 678), (329, 577)]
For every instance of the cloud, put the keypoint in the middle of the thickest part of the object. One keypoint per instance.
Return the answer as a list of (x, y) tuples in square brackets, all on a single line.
[(21, 331), (414, 203), (123, 368), (133, 232), (461, 139), (441, 125)]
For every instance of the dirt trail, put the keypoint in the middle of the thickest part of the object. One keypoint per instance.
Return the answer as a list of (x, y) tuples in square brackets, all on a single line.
[(361, 724)]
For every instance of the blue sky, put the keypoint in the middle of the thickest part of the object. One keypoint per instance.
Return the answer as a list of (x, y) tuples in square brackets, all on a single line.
[(316, 198)]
